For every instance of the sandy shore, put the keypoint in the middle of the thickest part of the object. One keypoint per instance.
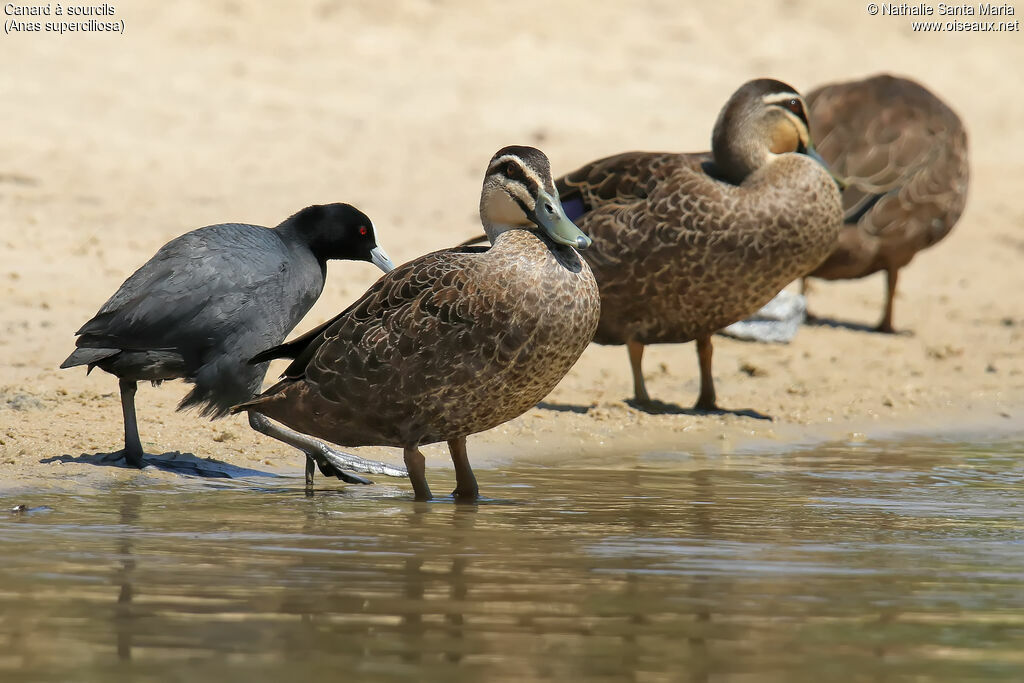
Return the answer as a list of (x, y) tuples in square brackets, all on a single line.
[(210, 112)]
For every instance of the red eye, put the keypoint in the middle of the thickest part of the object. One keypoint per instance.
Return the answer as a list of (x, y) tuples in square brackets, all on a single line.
[(363, 230)]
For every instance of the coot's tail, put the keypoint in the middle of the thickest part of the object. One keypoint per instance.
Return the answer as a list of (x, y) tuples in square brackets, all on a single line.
[(86, 356)]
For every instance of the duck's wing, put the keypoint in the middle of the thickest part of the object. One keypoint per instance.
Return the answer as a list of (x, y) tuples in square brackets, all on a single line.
[(426, 306), (902, 152), (644, 203), (621, 179)]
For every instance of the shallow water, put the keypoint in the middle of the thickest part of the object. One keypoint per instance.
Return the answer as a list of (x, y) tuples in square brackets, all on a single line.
[(873, 561)]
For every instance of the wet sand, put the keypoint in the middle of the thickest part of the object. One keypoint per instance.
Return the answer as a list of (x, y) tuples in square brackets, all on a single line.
[(199, 114)]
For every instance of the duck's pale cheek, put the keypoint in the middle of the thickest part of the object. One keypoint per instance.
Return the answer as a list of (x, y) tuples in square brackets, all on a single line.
[(784, 139), (501, 209)]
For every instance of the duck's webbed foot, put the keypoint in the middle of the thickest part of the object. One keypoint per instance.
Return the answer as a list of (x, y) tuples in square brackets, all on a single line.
[(331, 462), (325, 464), (339, 460)]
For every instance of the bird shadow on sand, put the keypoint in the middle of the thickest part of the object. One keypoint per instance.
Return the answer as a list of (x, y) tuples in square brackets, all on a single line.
[(186, 464), (814, 321), (655, 408), (564, 407)]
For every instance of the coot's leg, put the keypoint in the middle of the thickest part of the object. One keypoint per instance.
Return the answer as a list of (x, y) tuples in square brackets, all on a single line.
[(132, 446), (310, 471)]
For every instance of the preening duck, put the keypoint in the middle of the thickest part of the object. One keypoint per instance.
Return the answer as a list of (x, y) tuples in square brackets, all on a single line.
[(903, 153)]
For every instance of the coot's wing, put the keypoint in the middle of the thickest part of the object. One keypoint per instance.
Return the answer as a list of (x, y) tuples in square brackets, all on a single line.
[(189, 294)]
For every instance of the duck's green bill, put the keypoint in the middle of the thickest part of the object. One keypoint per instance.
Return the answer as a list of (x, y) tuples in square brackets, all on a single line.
[(813, 153), (551, 217)]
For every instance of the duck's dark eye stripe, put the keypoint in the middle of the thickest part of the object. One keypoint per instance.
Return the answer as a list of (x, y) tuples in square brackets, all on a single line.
[(517, 172), (797, 107), (532, 186), (522, 204), (519, 176)]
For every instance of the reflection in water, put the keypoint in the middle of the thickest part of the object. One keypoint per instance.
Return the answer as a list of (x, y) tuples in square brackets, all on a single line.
[(874, 561), (130, 504)]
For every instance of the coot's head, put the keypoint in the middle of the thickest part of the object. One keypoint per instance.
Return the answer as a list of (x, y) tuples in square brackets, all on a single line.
[(338, 231)]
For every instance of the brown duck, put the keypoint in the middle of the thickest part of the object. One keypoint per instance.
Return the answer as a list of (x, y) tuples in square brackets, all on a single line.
[(903, 153), (686, 244), (454, 342)]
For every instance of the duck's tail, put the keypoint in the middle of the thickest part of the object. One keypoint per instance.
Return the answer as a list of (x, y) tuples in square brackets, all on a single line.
[(258, 402)]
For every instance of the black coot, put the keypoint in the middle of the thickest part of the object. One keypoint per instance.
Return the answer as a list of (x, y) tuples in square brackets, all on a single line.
[(210, 300)]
